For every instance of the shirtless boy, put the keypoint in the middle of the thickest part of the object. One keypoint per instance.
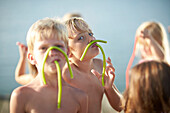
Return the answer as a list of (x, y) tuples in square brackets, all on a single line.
[(80, 35), (36, 97)]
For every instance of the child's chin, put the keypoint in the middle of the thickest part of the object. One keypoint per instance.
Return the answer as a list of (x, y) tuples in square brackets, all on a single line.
[(53, 67), (52, 70), (96, 53)]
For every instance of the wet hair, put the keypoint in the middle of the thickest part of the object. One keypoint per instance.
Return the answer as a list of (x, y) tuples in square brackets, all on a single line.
[(149, 88), (45, 29)]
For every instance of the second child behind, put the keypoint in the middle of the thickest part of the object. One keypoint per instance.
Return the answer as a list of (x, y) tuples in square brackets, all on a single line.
[(80, 35)]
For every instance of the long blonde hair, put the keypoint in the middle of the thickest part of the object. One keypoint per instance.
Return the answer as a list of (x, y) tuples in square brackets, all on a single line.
[(159, 34)]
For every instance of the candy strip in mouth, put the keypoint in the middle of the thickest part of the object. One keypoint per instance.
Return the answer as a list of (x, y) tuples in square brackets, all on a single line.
[(104, 58), (58, 71)]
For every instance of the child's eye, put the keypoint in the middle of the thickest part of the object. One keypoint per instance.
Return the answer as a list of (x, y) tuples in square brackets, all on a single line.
[(91, 34), (81, 38), (43, 48), (60, 46)]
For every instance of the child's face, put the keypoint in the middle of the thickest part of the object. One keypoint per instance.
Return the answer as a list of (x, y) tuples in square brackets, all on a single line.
[(40, 47), (79, 41)]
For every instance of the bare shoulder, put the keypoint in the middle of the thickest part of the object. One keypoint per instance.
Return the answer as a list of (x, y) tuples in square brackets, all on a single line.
[(19, 98), (98, 64), (98, 61), (21, 92)]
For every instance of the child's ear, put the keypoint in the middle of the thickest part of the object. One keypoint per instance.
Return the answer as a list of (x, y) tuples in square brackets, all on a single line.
[(31, 59)]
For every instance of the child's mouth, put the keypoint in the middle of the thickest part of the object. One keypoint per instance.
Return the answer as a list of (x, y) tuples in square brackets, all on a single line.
[(58, 60), (94, 45)]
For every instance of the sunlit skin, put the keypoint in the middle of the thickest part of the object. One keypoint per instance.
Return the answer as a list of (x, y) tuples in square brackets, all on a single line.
[(104, 58), (78, 43), (39, 98), (58, 71), (83, 77), (20, 72)]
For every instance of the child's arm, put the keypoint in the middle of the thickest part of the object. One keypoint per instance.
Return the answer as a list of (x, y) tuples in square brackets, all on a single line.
[(16, 102), (20, 75), (158, 50), (112, 93)]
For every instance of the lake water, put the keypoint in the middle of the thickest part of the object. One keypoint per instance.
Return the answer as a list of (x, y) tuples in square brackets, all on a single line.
[(112, 20)]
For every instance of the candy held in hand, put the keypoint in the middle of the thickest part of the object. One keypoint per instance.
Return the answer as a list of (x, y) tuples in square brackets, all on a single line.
[(104, 58)]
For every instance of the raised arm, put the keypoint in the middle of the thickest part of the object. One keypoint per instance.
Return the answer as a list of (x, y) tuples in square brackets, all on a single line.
[(156, 49), (20, 76), (112, 93)]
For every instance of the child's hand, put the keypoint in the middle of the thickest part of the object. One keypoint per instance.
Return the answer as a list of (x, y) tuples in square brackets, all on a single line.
[(145, 34), (109, 74), (22, 49)]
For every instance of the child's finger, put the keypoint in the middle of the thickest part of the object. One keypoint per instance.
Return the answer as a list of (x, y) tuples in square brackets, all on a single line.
[(106, 70), (110, 67), (108, 60), (19, 44), (112, 75)]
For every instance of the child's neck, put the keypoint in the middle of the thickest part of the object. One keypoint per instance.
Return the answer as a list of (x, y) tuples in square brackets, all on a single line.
[(51, 80), (85, 65)]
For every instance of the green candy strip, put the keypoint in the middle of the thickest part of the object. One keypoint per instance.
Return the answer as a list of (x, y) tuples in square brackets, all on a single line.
[(87, 47), (104, 58), (59, 84), (104, 63), (45, 58), (58, 71)]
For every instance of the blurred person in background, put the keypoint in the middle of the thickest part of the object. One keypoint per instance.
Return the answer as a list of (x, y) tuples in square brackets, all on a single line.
[(151, 43), (148, 91)]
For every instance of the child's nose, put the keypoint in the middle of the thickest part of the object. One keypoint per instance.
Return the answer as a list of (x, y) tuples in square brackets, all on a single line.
[(53, 52), (92, 38)]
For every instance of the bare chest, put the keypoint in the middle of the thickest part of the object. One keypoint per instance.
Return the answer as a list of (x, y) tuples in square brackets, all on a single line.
[(89, 83), (45, 101)]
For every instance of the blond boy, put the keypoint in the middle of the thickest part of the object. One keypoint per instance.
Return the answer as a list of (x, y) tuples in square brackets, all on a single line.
[(37, 97), (80, 35)]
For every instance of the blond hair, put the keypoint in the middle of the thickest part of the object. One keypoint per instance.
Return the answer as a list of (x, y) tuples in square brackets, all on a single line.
[(159, 34), (45, 29), (149, 88), (77, 24), (67, 16)]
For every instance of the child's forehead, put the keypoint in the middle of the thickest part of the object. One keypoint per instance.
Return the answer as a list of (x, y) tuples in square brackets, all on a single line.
[(73, 34), (41, 42), (76, 34)]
